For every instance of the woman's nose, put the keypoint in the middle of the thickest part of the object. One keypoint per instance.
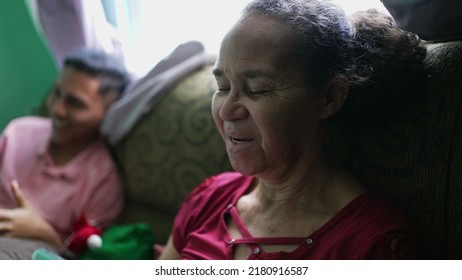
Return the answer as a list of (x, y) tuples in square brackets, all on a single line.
[(233, 107)]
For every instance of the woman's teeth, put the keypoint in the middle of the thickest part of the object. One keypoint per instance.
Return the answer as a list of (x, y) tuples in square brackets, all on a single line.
[(240, 140)]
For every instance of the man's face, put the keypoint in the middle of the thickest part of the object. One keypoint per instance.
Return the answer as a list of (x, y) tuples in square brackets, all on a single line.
[(76, 108)]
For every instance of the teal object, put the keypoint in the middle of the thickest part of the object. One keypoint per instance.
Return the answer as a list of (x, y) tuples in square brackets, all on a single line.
[(42, 254), (27, 68)]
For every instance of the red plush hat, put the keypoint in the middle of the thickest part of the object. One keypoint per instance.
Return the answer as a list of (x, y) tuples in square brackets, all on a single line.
[(84, 236)]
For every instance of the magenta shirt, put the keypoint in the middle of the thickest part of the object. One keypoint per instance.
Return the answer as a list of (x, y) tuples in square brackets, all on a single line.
[(369, 227), (88, 184)]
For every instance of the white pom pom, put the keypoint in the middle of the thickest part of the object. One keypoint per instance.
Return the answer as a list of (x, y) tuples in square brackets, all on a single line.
[(94, 241)]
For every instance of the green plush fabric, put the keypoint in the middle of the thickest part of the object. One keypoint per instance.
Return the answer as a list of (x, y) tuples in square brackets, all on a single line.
[(173, 148), (124, 242), (410, 160)]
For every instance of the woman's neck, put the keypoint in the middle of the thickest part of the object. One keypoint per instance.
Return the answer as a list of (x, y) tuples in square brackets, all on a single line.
[(320, 187)]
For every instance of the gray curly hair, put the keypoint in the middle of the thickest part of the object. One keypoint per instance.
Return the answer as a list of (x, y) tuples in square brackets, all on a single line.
[(381, 62), (322, 31)]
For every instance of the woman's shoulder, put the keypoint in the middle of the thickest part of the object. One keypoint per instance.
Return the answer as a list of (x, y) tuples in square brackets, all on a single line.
[(379, 211), (207, 201), (391, 234), (377, 227), (220, 185)]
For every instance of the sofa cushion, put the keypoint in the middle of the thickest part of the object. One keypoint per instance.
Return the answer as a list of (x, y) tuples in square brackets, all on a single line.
[(174, 147)]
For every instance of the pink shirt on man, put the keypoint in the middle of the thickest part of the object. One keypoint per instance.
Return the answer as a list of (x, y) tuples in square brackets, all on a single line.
[(369, 227), (88, 184)]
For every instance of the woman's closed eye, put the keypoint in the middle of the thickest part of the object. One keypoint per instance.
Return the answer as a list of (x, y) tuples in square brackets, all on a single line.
[(223, 89), (256, 88), (258, 91), (249, 92)]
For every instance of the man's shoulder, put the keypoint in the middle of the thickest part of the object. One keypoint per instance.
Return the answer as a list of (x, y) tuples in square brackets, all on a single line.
[(31, 123)]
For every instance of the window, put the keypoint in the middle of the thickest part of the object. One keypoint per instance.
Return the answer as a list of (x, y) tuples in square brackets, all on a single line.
[(151, 29)]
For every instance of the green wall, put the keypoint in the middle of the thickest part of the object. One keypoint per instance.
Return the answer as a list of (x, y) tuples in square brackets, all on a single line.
[(27, 69)]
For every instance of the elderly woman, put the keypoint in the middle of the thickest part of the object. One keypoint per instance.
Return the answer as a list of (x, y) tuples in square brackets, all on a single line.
[(281, 75)]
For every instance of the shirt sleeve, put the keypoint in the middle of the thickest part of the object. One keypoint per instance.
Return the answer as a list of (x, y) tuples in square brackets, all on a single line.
[(399, 244), (189, 211)]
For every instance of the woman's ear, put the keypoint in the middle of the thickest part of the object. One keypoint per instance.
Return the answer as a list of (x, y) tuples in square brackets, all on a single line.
[(334, 95)]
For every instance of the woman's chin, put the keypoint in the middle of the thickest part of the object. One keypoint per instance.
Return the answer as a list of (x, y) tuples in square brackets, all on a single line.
[(245, 168)]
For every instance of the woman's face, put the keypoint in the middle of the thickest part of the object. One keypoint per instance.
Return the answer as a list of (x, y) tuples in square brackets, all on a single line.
[(265, 112)]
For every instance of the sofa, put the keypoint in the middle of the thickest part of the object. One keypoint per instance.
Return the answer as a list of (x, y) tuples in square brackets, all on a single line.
[(169, 151), (416, 161)]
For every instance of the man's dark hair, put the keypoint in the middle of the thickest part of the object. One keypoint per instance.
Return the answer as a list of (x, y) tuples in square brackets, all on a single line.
[(105, 67)]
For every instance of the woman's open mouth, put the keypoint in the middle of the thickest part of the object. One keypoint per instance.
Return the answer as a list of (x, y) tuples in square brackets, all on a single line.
[(240, 140)]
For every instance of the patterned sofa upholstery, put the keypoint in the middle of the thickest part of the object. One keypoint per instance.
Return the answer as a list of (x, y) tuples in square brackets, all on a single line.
[(170, 151), (416, 161)]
